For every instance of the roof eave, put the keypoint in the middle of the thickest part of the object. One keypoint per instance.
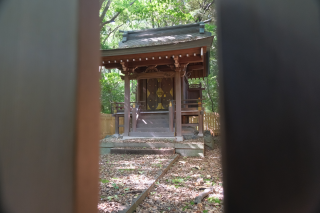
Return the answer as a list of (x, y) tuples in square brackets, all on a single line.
[(159, 48)]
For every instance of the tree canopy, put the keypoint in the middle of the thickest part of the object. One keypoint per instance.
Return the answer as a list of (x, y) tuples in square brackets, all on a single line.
[(125, 15)]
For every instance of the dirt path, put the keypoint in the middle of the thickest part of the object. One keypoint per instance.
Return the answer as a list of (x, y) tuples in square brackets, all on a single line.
[(124, 177), (188, 177)]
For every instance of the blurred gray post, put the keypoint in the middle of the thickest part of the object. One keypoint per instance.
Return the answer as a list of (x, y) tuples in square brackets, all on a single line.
[(49, 106), (269, 60)]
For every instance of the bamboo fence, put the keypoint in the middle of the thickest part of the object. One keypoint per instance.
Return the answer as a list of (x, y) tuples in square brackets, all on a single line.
[(108, 125), (211, 122)]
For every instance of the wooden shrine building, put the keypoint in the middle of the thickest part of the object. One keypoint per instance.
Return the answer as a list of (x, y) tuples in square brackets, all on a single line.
[(161, 60)]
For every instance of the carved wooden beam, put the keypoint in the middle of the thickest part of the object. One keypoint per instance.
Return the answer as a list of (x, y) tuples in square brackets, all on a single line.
[(124, 66), (183, 68), (112, 66), (195, 67), (138, 76), (176, 61)]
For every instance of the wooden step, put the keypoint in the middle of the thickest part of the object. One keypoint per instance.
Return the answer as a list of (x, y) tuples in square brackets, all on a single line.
[(151, 134)]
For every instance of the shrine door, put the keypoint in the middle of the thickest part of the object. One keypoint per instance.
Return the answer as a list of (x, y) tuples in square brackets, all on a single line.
[(159, 93)]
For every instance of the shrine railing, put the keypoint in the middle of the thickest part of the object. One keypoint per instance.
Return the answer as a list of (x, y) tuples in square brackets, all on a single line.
[(197, 109), (136, 109), (117, 107), (194, 86), (194, 103)]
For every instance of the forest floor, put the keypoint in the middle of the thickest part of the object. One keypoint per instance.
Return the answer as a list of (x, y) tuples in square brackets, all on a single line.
[(185, 180), (124, 177)]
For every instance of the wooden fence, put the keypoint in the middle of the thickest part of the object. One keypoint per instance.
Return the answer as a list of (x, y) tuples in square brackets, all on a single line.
[(211, 121), (108, 125)]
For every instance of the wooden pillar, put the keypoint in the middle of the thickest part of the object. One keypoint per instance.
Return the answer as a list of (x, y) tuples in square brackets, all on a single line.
[(116, 131), (138, 91), (126, 105), (178, 102), (134, 118), (182, 91), (200, 123), (144, 93), (171, 116)]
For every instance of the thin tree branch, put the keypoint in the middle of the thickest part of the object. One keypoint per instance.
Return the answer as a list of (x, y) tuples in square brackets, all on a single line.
[(111, 33), (208, 5), (100, 4), (114, 17), (208, 20), (105, 10), (111, 20)]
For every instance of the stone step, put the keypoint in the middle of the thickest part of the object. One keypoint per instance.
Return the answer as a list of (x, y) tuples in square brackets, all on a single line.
[(142, 125), (160, 116), (152, 121), (151, 134), (158, 129), (162, 151)]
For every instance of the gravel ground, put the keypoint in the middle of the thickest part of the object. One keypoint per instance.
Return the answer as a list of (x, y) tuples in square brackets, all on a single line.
[(124, 177), (188, 177)]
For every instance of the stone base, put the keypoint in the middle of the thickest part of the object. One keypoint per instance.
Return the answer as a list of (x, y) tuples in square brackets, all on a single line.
[(190, 152), (116, 135), (184, 149), (179, 138), (130, 137)]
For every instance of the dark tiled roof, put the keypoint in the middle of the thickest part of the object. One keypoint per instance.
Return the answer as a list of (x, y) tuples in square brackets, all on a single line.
[(165, 35)]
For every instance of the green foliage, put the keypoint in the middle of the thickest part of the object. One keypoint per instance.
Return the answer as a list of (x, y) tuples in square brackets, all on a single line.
[(112, 89), (139, 14), (105, 181), (178, 180), (115, 186), (214, 200), (186, 207)]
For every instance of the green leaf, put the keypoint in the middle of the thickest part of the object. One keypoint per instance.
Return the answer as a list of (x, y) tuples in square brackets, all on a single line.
[(115, 186), (104, 181)]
